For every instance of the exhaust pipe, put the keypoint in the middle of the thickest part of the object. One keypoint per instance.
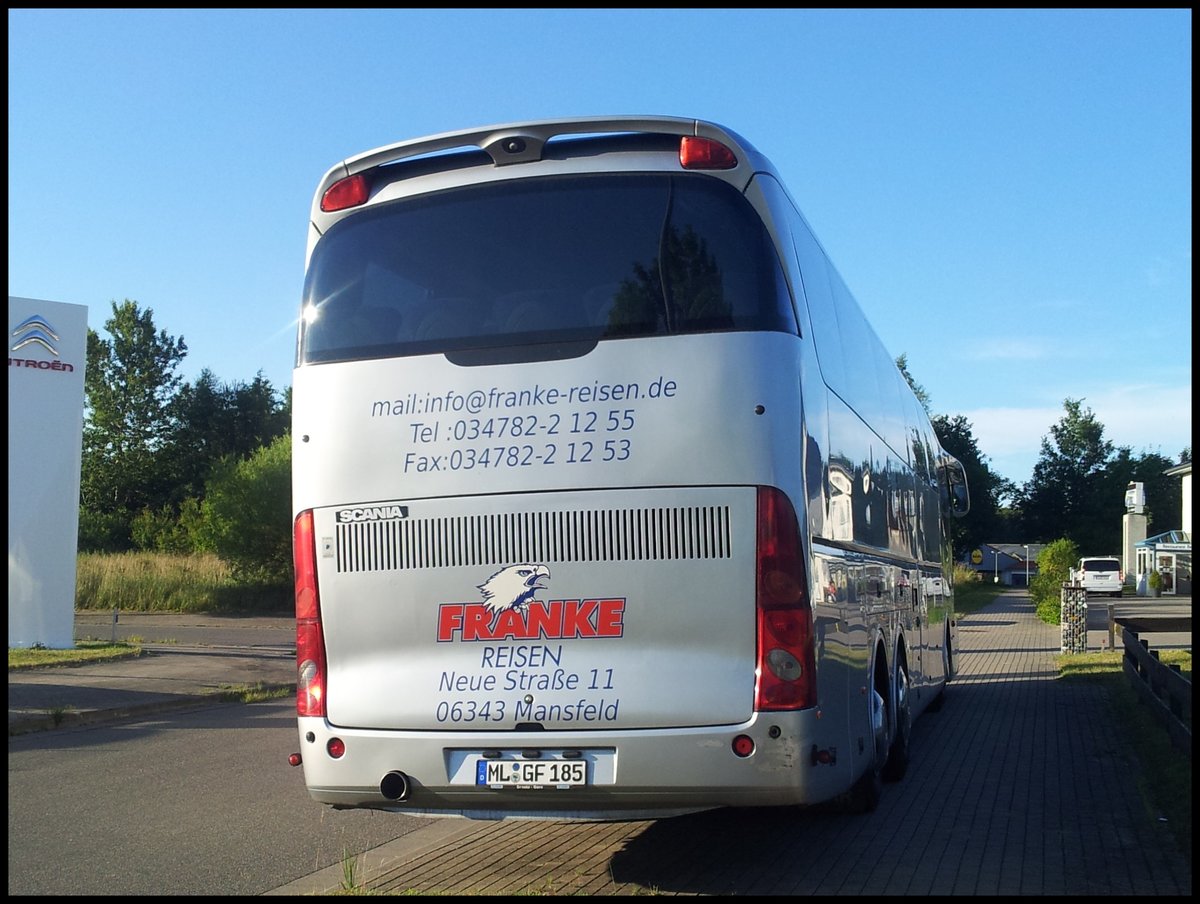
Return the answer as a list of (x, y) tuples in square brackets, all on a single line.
[(394, 786)]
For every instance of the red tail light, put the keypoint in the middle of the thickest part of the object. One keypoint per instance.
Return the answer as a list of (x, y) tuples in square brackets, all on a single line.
[(348, 192), (310, 640), (704, 153), (785, 675)]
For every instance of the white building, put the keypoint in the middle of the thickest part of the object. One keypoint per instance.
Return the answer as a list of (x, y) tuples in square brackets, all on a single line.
[(1170, 553)]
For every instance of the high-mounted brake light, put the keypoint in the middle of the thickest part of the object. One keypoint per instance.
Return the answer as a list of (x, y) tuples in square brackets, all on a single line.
[(310, 639), (704, 153), (785, 673), (348, 192)]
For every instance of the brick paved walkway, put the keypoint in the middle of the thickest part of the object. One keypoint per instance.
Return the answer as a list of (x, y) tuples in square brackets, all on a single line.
[(1019, 786)]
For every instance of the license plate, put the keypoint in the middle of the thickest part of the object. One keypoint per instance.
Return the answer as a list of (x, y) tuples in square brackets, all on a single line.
[(531, 773)]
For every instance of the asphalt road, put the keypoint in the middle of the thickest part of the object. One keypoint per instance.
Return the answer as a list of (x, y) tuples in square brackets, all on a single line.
[(190, 803)]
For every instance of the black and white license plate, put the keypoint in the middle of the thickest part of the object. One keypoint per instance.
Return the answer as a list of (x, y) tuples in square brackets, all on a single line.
[(531, 773)]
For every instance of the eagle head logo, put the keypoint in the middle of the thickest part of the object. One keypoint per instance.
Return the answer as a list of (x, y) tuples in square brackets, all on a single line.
[(513, 587)]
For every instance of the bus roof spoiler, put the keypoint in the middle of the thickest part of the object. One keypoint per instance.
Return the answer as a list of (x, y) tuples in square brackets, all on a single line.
[(521, 142)]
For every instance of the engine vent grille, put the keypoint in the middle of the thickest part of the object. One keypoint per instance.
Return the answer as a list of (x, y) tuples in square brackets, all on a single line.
[(597, 535)]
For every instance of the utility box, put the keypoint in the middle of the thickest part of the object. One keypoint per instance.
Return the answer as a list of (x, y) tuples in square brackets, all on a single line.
[(1135, 498)]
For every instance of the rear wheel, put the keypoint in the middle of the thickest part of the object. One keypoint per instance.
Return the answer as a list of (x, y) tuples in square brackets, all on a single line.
[(898, 754), (864, 796)]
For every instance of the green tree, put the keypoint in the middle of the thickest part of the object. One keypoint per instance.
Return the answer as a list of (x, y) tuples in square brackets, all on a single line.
[(1054, 563), (158, 529), (987, 521), (201, 434), (129, 384), (247, 514), (1066, 495), (214, 420), (1164, 495)]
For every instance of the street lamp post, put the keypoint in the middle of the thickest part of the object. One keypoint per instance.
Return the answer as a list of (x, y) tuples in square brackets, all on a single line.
[(1026, 566), (996, 563)]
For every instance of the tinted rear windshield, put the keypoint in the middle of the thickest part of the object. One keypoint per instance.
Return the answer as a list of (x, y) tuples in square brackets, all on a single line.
[(1101, 565), (542, 260)]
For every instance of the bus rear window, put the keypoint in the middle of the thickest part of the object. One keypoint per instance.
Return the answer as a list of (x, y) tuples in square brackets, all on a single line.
[(529, 261)]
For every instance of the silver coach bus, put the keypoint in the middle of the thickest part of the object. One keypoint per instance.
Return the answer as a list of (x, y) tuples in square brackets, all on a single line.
[(609, 503)]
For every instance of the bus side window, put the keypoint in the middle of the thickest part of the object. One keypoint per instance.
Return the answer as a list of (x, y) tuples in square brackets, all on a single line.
[(955, 495), (819, 298)]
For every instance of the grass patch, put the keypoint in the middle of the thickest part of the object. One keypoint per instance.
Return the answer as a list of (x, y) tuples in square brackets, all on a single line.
[(85, 651), (167, 582), (148, 582), (254, 693), (972, 595)]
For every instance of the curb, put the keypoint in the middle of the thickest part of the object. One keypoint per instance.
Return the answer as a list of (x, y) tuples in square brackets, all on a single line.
[(29, 721)]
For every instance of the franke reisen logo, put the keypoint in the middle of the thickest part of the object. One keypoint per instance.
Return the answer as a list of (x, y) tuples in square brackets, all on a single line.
[(36, 332), (510, 611)]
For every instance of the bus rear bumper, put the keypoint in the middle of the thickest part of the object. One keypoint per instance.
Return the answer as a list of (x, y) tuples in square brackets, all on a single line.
[(628, 774)]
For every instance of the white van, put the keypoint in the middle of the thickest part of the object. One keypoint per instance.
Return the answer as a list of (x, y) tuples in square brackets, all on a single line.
[(1099, 574)]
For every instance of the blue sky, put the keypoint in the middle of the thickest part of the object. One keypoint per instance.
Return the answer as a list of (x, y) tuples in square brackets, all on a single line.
[(1007, 192)]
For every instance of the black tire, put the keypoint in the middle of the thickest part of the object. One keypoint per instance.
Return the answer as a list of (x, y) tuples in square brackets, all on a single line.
[(867, 791), (898, 756), (948, 652), (864, 797)]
